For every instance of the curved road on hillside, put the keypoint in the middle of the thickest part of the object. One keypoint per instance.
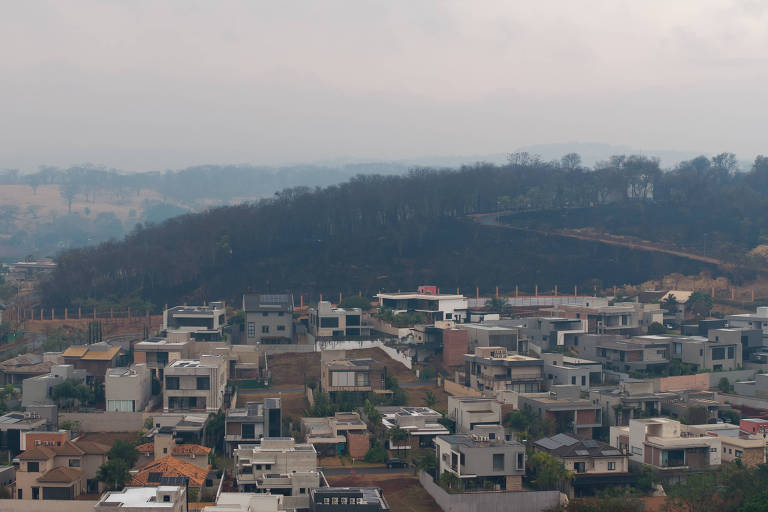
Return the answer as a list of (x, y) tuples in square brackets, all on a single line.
[(491, 219)]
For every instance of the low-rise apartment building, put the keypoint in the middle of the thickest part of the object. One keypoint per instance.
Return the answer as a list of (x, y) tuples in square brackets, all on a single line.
[(166, 498), (421, 424), (278, 466), (250, 423), (565, 409), (492, 335), (644, 353), (195, 385), (268, 318), (328, 322), (469, 412), (663, 444), (631, 399), (495, 369), (484, 454), (622, 318), (361, 375), (128, 389), (748, 449), (200, 323)]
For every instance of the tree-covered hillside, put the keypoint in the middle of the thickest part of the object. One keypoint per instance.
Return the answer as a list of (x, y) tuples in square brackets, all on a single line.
[(389, 232)]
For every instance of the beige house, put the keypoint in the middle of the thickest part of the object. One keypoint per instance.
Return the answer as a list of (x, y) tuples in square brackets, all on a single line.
[(353, 375), (128, 389), (157, 353), (469, 412), (326, 321), (61, 471), (584, 456), (495, 369), (194, 385), (280, 466), (750, 449)]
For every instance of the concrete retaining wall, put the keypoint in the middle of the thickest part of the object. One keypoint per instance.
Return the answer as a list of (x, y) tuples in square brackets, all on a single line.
[(755, 403), (458, 390), (524, 501), (106, 421), (358, 345)]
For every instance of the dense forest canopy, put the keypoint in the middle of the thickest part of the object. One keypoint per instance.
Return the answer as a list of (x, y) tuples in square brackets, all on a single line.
[(396, 231)]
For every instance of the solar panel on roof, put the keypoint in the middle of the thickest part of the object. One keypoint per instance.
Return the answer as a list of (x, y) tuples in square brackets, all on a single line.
[(582, 452), (548, 443), (564, 440), (611, 452), (590, 443)]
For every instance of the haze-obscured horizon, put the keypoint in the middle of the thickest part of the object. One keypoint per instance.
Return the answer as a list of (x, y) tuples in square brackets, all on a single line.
[(147, 86)]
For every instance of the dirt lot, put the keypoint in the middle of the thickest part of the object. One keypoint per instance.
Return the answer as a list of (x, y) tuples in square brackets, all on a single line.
[(291, 369), (417, 396), (402, 492), (108, 438)]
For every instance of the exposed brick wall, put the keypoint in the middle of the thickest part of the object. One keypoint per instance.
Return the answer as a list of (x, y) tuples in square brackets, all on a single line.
[(455, 345), (357, 444), (585, 417)]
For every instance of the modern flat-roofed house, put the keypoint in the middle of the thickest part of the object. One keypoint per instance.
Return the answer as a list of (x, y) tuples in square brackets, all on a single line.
[(720, 351), (15, 370), (168, 498), (560, 369), (595, 465), (364, 375), (491, 335), (428, 301), (494, 369), (644, 353), (268, 318), (348, 499), (246, 502), (200, 323), (548, 332), (250, 423), (13, 425), (565, 409), (662, 444), (483, 455), (748, 449), (469, 412), (326, 322), (195, 384), (622, 318), (756, 320), (157, 353), (128, 389), (335, 434), (37, 390), (278, 466), (421, 424)]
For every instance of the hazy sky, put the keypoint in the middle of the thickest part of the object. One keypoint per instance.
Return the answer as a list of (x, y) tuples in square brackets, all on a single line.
[(144, 85)]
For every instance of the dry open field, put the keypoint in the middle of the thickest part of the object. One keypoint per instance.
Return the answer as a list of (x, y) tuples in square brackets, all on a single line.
[(402, 491)]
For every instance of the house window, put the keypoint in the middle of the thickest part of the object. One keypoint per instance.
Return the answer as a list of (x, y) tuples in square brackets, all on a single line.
[(265, 313), (611, 466), (74, 463), (251, 329), (280, 327), (718, 353), (498, 462), (739, 453), (203, 383), (731, 352), (171, 383), (334, 501), (583, 380), (329, 321), (281, 313), (326, 501), (35, 493), (267, 466), (520, 460), (302, 490), (166, 499), (573, 381), (33, 467), (462, 460), (343, 501), (264, 329)]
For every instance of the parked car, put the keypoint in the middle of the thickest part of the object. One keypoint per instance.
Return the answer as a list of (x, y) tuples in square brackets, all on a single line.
[(397, 463)]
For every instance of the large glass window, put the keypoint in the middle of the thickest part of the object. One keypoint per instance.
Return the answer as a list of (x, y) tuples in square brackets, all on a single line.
[(251, 329), (498, 462), (329, 321), (203, 383), (171, 383)]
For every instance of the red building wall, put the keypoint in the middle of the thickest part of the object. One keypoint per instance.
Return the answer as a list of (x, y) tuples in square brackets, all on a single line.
[(455, 345)]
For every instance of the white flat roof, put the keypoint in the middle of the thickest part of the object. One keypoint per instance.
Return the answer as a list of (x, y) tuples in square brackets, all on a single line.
[(141, 497)]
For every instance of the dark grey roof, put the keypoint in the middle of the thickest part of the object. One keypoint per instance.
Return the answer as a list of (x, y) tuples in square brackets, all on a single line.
[(270, 302), (564, 445)]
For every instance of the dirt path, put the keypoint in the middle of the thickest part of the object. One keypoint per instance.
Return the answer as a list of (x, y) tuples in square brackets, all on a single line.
[(491, 219)]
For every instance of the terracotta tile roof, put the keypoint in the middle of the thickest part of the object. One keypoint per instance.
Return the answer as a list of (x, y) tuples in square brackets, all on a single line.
[(92, 448), (67, 448), (61, 475), (184, 449), (26, 363), (106, 355), (146, 448), (37, 453), (75, 352), (170, 466)]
